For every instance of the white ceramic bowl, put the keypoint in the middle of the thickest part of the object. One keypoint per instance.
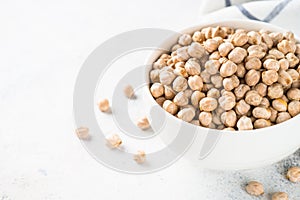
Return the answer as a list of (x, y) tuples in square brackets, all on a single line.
[(234, 150)]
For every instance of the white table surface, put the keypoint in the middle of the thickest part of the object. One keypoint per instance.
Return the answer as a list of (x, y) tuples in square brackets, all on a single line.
[(42, 46)]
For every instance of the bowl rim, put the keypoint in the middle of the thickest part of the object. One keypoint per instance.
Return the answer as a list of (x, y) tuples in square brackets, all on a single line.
[(245, 22)]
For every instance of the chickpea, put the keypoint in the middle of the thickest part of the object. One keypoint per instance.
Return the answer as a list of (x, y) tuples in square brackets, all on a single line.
[(276, 53), (211, 45), (292, 59), (253, 63), (261, 113), (244, 123), (256, 51), (195, 122), (241, 90), (267, 39), (223, 60), (280, 196), (269, 77), (229, 129), (186, 114), (205, 76), (217, 80), (188, 93), (154, 75), (196, 50), (175, 47), (214, 93), (282, 117), (185, 39), (227, 102), (179, 71), (294, 74), (271, 64), (180, 84), (237, 55), (166, 77), (275, 91), (252, 77), (294, 108), (140, 157), (215, 56), (293, 94), (143, 123), (274, 114), (241, 70), (228, 69), (286, 46), (231, 82), (103, 105), (157, 90), (229, 118), (262, 123), (169, 93), (254, 37), (285, 78), (82, 133), (207, 87), (280, 105), (217, 120), (160, 63), (261, 88), (198, 37), (192, 67), (297, 49), (128, 91), (225, 48), (265, 102), (218, 32), (208, 104), (239, 39), (293, 174), (170, 107), (253, 98), (284, 64), (196, 97), (195, 82), (160, 100), (212, 66), (205, 118), (182, 54), (276, 37), (207, 32), (181, 99), (242, 107)]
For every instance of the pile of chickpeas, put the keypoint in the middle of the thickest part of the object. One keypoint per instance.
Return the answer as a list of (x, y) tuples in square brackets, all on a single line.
[(229, 79)]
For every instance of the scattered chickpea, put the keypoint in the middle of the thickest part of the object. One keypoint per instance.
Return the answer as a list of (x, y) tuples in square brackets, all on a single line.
[(293, 174), (269, 77), (265, 102), (82, 133), (208, 104), (256, 51), (205, 118), (254, 37), (244, 123), (217, 80), (215, 56), (195, 122), (129, 92), (140, 157), (143, 123), (205, 76), (280, 196), (113, 141), (274, 114), (276, 37), (175, 47), (188, 93), (267, 39), (104, 105), (282, 117)]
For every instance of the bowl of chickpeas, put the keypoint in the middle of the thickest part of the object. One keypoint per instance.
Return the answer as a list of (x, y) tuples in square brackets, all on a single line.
[(237, 85)]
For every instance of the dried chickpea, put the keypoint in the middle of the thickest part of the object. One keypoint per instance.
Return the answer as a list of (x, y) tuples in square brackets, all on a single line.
[(276, 37), (294, 74), (239, 39), (160, 100), (241, 90), (254, 37), (207, 87), (212, 66), (256, 51), (180, 84), (255, 188), (292, 59), (297, 49), (186, 114), (225, 48), (218, 32), (179, 71), (229, 129), (103, 105), (237, 55), (143, 123), (280, 196), (265, 102), (274, 114), (271, 64), (229, 118), (208, 104), (253, 63), (157, 90), (267, 39), (275, 91), (262, 123), (166, 77), (188, 93), (242, 107), (294, 94), (289, 36), (185, 39), (196, 50), (261, 88), (276, 53), (207, 32), (181, 99), (284, 64), (282, 117), (82, 133), (113, 141), (160, 63), (227, 101), (196, 97), (140, 157), (269, 77), (244, 123), (252, 77), (169, 92), (253, 98), (280, 105), (217, 80), (293, 174), (182, 54), (215, 56), (231, 82), (214, 93), (211, 45), (175, 47), (241, 70), (228, 69), (284, 78), (217, 120), (154, 75), (286, 46), (205, 76), (205, 118), (129, 92), (195, 82), (170, 107), (195, 122), (198, 37), (192, 67), (261, 113), (294, 108)]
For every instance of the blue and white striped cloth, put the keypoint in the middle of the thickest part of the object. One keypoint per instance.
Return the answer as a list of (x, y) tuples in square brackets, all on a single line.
[(283, 13)]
